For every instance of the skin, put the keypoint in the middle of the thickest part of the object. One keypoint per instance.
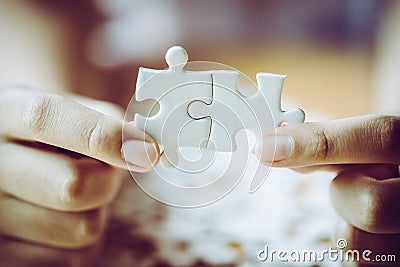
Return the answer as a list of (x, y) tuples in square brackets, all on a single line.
[(61, 158), (36, 149), (364, 152), (58, 160)]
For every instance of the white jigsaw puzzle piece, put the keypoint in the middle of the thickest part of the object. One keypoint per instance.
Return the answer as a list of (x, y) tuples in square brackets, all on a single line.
[(227, 112), (230, 111), (174, 89), (270, 85)]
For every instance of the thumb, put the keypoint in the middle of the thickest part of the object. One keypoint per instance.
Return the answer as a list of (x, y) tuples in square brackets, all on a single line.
[(364, 139)]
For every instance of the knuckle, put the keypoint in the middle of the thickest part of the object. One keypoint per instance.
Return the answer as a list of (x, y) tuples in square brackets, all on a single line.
[(89, 227), (75, 189), (103, 138), (40, 113), (369, 207), (388, 135), (89, 184), (321, 145), (96, 137)]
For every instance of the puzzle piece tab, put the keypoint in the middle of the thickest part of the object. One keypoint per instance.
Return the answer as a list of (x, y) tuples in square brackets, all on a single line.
[(174, 89), (231, 112), (205, 109)]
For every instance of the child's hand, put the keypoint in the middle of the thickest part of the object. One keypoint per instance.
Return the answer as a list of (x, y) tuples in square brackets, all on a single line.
[(365, 153), (52, 194)]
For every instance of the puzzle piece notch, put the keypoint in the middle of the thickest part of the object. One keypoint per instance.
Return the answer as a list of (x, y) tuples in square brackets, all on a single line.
[(259, 113), (173, 89)]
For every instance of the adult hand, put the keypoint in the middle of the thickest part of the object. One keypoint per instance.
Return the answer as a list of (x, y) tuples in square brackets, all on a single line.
[(365, 153), (56, 165)]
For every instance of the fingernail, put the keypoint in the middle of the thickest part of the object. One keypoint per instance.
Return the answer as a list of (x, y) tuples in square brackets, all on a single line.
[(139, 153), (282, 145)]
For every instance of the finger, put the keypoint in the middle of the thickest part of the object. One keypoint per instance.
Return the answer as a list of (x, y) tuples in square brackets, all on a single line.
[(365, 139), (23, 254), (379, 170), (384, 248), (335, 168), (104, 107), (55, 180), (59, 121), (53, 228), (366, 202)]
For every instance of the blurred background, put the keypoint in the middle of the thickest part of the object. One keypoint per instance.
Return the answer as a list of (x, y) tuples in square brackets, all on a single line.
[(342, 58)]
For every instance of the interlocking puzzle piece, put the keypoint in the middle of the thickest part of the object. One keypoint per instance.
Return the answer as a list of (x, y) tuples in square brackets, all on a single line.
[(174, 89), (230, 111)]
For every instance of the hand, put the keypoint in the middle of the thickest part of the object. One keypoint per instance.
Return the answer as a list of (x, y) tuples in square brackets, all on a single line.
[(365, 154), (23, 254), (56, 158)]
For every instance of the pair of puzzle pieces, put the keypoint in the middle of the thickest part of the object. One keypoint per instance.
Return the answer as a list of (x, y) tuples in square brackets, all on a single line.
[(205, 109)]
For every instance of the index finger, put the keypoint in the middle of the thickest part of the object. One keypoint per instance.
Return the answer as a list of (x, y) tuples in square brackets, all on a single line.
[(59, 121)]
